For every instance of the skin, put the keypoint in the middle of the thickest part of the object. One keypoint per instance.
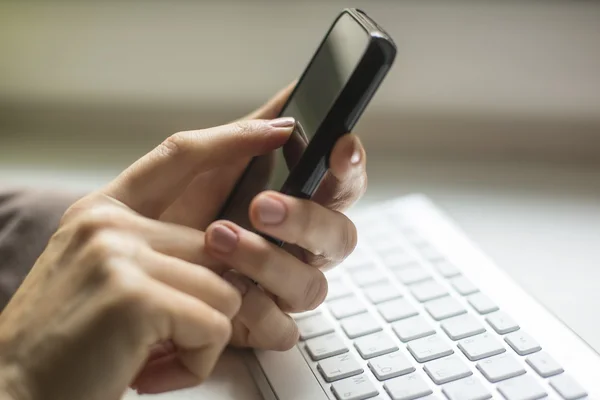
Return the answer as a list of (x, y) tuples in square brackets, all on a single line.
[(141, 287)]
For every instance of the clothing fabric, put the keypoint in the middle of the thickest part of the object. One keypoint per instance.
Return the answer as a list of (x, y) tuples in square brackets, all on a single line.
[(28, 218)]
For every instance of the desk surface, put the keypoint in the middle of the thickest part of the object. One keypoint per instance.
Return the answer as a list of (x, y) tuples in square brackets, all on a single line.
[(540, 223)]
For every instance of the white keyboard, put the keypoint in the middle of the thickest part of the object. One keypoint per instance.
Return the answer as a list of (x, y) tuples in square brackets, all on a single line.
[(417, 312)]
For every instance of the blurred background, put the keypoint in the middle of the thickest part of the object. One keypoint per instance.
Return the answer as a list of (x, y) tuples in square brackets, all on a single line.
[(96, 84), (492, 107)]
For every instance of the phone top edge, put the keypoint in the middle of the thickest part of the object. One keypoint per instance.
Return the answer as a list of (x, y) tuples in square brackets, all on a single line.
[(374, 29)]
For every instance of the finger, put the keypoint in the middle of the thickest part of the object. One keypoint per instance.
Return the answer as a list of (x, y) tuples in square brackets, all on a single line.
[(261, 323), (299, 286), (171, 373), (198, 331), (151, 184), (163, 375), (191, 279), (160, 350), (273, 106), (346, 179), (170, 239), (323, 232)]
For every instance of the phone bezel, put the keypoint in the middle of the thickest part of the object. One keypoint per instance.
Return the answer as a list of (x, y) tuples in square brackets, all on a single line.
[(305, 177)]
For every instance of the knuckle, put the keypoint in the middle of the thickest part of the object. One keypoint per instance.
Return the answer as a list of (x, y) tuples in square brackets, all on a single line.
[(242, 128), (221, 327), (174, 145), (315, 291), (232, 301), (126, 288), (349, 239), (95, 220), (307, 223), (288, 338), (102, 244), (127, 300), (261, 256), (77, 208)]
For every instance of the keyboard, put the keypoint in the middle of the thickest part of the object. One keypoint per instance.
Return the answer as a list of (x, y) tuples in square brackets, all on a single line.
[(417, 312)]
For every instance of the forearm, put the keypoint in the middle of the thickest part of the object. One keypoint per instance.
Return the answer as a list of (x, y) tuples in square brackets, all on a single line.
[(27, 220)]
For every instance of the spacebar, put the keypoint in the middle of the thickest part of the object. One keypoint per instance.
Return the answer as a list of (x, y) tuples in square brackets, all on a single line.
[(289, 375)]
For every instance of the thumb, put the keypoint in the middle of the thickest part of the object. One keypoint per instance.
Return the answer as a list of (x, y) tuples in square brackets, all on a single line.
[(153, 182)]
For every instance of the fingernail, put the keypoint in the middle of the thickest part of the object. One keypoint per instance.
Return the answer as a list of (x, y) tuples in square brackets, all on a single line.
[(237, 281), (223, 239), (356, 154), (270, 210), (285, 122)]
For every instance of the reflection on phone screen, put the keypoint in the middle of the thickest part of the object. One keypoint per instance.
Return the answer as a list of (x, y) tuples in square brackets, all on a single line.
[(311, 101)]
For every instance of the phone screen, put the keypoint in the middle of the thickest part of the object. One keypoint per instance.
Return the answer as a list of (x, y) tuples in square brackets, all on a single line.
[(309, 104)]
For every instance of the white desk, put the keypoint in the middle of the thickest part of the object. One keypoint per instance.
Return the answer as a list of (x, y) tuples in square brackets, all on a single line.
[(540, 223)]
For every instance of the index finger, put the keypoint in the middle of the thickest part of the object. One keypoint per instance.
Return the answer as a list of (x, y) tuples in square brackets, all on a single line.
[(152, 183)]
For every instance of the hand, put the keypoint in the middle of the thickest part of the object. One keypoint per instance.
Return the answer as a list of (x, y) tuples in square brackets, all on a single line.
[(291, 279), (318, 235), (114, 282)]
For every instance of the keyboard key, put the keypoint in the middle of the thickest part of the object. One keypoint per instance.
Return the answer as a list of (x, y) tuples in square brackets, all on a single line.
[(354, 388), (396, 309), (522, 343), (412, 275), (382, 292), (544, 364), (390, 366), (447, 369), (398, 259), (364, 278), (386, 243), (431, 253), (502, 322), (346, 307), (463, 286), (358, 261), (498, 368), (336, 289), (469, 388), (429, 348), (446, 268), (523, 387), (360, 325), (417, 240), (374, 229), (375, 345), (412, 328), (481, 303), (304, 314), (567, 387), (462, 327), (481, 346), (313, 326), (443, 308), (428, 290), (407, 387), (339, 367), (325, 346)]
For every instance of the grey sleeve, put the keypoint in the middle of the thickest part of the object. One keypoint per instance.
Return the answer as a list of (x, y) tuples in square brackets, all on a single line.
[(28, 218)]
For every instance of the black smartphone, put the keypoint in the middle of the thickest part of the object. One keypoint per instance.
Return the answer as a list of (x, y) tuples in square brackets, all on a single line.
[(330, 96)]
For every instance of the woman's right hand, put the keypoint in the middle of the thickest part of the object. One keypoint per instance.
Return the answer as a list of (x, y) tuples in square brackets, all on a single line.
[(113, 282)]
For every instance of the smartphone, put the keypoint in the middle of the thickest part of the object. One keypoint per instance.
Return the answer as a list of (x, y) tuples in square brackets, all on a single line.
[(341, 78)]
